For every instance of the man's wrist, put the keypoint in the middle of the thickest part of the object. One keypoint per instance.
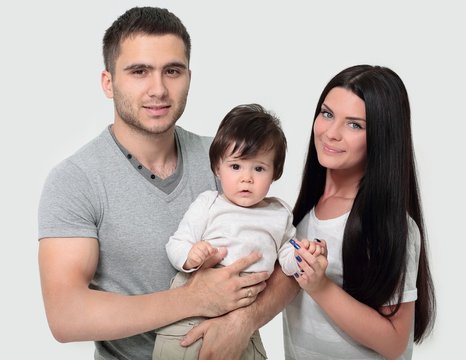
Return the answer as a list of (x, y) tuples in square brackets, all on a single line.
[(246, 317)]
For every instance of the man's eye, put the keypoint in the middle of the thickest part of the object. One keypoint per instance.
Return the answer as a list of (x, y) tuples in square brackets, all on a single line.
[(173, 72), (139, 72)]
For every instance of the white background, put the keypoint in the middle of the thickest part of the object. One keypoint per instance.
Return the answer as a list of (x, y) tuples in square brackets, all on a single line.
[(280, 54)]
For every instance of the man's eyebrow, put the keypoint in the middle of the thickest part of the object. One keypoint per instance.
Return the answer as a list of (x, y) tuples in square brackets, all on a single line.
[(138, 67), (176, 64)]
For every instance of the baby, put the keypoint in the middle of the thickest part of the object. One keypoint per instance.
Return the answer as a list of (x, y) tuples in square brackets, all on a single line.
[(247, 154)]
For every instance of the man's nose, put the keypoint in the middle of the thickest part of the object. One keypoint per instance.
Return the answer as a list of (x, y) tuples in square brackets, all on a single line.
[(157, 87)]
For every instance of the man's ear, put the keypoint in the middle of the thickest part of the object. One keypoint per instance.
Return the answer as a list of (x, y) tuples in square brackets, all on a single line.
[(106, 83)]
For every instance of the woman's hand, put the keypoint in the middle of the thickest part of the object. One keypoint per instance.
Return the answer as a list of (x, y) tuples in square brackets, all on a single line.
[(312, 259)]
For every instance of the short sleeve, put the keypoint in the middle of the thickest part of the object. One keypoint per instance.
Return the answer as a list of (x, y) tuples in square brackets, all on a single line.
[(414, 244), (68, 207)]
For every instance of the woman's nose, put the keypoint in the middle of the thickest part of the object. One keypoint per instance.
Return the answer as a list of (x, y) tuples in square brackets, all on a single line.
[(334, 131)]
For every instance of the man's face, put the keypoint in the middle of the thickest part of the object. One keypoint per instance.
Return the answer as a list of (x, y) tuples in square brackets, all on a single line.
[(150, 83)]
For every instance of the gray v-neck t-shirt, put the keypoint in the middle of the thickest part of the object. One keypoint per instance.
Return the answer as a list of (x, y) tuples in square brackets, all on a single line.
[(97, 193)]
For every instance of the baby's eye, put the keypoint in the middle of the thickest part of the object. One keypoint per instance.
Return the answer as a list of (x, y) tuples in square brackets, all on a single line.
[(235, 166), (259, 168)]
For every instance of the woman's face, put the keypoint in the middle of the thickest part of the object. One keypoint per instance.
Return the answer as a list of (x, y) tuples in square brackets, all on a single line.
[(340, 132)]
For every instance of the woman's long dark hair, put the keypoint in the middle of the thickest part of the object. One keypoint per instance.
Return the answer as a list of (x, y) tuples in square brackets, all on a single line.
[(376, 233)]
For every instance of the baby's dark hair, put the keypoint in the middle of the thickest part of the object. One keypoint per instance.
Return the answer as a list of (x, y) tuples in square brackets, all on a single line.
[(250, 129)]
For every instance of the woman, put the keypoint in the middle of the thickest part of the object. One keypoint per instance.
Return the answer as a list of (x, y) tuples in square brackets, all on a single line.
[(372, 295)]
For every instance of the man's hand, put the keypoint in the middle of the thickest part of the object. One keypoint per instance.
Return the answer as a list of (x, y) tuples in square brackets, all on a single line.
[(215, 331), (228, 336), (221, 290)]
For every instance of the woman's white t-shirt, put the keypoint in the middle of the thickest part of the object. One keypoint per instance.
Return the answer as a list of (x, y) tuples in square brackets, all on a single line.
[(308, 332)]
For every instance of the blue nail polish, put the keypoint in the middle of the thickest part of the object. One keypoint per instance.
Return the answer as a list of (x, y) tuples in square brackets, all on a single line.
[(296, 275), (295, 244), (318, 240), (298, 258)]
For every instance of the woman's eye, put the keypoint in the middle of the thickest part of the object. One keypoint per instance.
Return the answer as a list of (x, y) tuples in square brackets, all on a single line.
[(326, 114), (355, 125)]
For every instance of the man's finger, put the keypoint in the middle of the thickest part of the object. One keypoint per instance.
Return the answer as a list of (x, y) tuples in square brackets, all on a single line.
[(243, 263), (193, 335), (256, 280)]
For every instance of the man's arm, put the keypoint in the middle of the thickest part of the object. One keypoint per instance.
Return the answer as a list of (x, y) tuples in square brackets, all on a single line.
[(75, 312), (280, 290), (229, 334)]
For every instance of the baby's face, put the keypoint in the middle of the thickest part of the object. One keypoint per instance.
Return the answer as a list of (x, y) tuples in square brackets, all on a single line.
[(246, 182)]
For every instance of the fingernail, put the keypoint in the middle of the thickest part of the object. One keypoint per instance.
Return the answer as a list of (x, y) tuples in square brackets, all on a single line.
[(296, 275), (298, 258), (318, 240), (295, 244)]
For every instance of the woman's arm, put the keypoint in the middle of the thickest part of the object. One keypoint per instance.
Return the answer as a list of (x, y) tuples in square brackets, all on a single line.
[(387, 336)]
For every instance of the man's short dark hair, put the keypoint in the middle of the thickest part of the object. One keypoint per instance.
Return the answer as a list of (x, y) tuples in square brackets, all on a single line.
[(141, 20)]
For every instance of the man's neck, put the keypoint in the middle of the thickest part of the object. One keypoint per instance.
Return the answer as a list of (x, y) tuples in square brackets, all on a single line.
[(156, 152)]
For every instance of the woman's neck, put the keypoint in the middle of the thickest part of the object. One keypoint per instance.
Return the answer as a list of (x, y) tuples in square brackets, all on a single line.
[(340, 191)]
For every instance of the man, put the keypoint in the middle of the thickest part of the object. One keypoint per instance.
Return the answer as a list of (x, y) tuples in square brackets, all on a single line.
[(107, 212)]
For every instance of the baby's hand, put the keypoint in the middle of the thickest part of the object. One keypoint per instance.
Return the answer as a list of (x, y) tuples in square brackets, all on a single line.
[(316, 247), (200, 251)]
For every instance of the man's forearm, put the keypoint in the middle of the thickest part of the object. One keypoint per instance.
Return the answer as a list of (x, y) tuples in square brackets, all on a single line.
[(279, 292), (229, 334)]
